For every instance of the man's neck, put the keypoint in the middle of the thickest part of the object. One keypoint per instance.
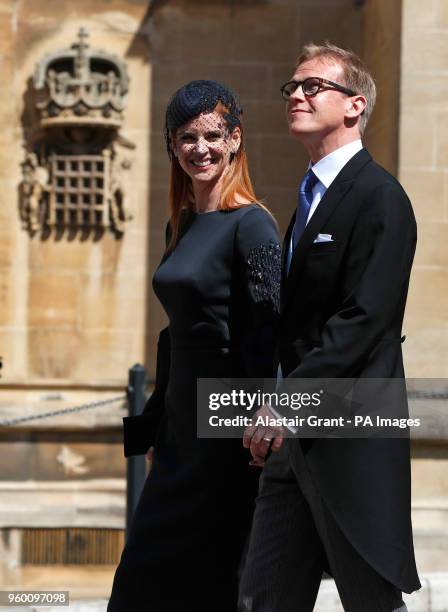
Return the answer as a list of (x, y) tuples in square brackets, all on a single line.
[(318, 149)]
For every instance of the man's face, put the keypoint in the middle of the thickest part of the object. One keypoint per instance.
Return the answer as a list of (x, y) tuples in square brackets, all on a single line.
[(315, 117)]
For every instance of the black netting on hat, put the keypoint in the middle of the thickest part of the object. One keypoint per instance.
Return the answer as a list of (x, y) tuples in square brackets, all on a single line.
[(200, 97)]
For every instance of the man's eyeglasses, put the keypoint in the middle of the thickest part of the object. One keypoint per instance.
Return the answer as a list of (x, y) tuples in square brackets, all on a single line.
[(311, 87)]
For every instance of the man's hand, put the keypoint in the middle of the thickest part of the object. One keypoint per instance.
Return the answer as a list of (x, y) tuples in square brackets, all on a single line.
[(150, 453), (260, 438)]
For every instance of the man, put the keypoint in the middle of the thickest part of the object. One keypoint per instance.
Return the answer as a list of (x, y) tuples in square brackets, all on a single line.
[(336, 505)]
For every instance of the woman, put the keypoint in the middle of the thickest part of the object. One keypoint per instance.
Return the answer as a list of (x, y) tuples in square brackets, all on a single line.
[(219, 284)]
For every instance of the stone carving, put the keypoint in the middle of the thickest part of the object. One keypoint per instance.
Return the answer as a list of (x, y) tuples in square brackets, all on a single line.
[(34, 186), (71, 462), (81, 82), (119, 199), (74, 174)]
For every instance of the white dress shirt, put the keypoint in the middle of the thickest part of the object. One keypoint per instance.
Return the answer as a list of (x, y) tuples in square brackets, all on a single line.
[(326, 170)]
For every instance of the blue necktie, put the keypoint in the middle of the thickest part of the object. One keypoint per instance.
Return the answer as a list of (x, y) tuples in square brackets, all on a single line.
[(303, 209)]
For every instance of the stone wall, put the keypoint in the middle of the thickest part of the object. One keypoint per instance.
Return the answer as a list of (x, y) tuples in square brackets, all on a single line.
[(423, 162), (72, 310), (423, 172)]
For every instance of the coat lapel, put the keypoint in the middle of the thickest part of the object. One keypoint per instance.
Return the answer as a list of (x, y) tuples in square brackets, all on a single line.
[(285, 250), (332, 198)]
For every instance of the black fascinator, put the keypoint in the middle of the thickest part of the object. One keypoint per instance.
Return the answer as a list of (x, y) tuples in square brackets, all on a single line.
[(199, 97)]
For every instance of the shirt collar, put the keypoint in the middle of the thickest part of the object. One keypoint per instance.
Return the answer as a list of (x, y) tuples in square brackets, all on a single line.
[(327, 168)]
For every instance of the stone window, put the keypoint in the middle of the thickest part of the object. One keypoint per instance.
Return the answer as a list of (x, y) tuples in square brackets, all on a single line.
[(77, 164)]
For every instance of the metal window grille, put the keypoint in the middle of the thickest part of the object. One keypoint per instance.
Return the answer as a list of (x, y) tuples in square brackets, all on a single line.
[(79, 190)]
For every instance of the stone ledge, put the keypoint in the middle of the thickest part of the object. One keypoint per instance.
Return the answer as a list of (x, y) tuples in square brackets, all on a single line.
[(89, 503), (432, 414)]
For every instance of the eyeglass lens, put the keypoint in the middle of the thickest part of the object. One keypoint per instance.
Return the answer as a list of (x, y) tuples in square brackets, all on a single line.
[(310, 87)]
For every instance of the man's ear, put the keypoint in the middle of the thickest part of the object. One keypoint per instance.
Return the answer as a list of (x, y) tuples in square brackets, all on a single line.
[(356, 106)]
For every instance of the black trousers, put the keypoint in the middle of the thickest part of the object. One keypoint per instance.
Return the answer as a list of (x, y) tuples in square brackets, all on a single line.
[(294, 539)]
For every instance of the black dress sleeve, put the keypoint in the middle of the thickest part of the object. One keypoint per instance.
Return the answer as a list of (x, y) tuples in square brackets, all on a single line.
[(156, 400), (139, 431), (259, 261)]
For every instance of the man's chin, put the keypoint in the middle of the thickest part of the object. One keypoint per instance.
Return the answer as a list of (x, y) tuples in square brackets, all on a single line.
[(300, 133)]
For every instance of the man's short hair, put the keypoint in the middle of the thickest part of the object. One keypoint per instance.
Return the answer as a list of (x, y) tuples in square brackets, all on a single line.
[(356, 75)]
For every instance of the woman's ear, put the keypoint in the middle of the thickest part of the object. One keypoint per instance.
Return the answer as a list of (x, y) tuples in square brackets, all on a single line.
[(235, 141), (173, 146)]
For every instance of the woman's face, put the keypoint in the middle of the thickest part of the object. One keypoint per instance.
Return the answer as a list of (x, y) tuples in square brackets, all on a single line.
[(203, 147)]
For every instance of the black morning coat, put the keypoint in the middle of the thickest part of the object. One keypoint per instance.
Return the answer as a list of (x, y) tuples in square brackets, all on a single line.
[(342, 310)]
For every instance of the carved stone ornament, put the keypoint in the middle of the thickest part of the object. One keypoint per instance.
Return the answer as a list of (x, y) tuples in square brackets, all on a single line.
[(77, 162)]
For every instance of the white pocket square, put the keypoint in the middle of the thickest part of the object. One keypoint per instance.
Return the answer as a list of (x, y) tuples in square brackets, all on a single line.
[(324, 238)]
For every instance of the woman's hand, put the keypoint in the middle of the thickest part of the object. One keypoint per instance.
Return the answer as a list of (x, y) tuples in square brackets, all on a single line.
[(150, 453)]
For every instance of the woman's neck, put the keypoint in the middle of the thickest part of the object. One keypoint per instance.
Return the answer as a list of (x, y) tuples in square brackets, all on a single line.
[(206, 196)]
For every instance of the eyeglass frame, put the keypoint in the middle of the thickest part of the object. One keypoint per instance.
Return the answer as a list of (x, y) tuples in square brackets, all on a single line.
[(341, 88)]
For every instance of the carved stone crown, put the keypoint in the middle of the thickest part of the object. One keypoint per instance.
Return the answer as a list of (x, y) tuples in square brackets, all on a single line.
[(81, 85)]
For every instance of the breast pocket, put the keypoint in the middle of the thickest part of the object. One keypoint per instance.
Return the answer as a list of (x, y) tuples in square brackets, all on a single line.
[(322, 248), (320, 270)]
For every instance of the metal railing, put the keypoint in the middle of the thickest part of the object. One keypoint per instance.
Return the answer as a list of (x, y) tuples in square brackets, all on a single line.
[(136, 466), (60, 412)]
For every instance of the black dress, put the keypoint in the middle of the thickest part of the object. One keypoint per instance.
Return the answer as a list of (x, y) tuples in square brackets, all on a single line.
[(220, 290)]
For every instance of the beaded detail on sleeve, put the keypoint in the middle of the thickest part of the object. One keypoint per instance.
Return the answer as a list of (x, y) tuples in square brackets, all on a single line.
[(264, 266)]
